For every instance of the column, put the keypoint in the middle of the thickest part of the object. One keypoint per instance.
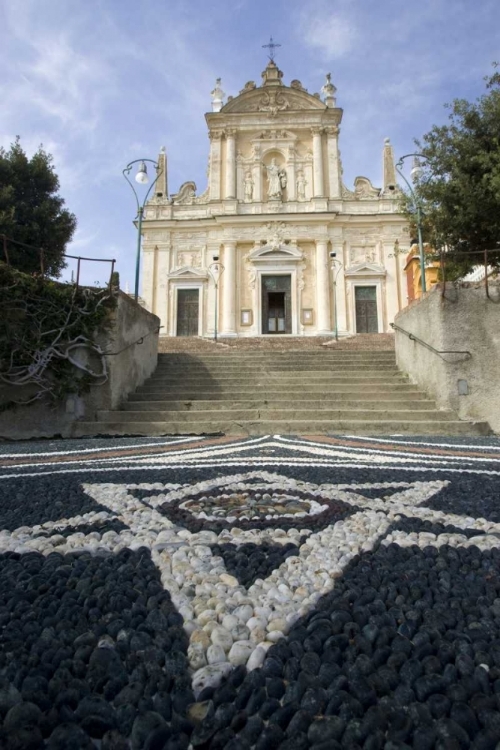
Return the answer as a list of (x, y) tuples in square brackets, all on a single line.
[(318, 163), (215, 155), (228, 283), (333, 162), (323, 319), (230, 164)]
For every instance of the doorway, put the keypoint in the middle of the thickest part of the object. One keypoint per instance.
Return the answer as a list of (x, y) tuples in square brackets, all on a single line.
[(276, 305), (188, 308), (366, 309)]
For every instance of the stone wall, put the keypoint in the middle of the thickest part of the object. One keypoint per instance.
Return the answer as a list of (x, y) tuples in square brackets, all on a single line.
[(465, 319), (126, 371)]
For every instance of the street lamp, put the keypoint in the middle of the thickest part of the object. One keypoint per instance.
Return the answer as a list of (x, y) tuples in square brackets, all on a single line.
[(338, 265), (215, 270), (415, 171), (142, 178)]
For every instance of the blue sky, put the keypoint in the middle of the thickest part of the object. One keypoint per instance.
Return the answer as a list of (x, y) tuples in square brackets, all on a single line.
[(103, 82)]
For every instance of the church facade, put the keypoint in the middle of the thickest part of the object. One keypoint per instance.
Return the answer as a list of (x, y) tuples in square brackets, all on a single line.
[(276, 244)]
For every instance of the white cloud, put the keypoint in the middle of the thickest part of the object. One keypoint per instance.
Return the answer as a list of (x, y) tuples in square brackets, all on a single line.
[(331, 33)]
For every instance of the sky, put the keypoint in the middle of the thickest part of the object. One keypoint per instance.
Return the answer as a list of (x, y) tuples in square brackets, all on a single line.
[(103, 82)]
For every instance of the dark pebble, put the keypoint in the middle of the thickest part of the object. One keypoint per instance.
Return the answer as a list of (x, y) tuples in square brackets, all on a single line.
[(270, 738)]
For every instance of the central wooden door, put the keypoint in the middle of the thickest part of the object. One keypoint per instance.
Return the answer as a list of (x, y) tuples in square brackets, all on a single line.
[(276, 313), (276, 304), (366, 309), (188, 312)]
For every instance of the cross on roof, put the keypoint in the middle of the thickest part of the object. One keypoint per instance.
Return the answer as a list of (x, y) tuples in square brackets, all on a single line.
[(271, 46)]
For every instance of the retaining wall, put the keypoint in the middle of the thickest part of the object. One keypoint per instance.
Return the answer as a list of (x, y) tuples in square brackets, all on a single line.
[(126, 371), (464, 319)]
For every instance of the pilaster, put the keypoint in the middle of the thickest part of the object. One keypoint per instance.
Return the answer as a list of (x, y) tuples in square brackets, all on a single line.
[(323, 324), (215, 164), (332, 150), (161, 302), (319, 182), (230, 191), (228, 283)]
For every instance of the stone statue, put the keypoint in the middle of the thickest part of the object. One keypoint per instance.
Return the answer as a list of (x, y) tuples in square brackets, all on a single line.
[(273, 180), (276, 180), (248, 186), (301, 186)]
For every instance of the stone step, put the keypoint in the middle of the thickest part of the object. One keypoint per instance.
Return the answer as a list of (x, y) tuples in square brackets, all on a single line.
[(292, 377), (272, 414), (404, 401), (288, 427), (277, 357), (238, 392), (179, 370)]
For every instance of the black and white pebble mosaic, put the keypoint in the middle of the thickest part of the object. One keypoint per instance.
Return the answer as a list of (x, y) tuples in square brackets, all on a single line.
[(264, 593)]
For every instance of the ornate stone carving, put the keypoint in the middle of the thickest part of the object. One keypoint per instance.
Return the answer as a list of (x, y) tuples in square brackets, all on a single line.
[(332, 130), (273, 102), (301, 282), (249, 86), (363, 188), (274, 233), (188, 259), (186, 194), (296, 84), (204, 197)]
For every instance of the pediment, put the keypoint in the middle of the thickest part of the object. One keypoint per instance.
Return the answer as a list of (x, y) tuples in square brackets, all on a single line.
[(365, 269), (273, 100), (273, 251), (188, 272)]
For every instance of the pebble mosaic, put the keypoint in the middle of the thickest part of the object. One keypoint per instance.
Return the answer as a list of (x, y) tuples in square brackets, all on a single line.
[(272, 592)]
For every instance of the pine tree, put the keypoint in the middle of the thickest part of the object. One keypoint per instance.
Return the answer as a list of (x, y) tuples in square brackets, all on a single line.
[(32, 212)]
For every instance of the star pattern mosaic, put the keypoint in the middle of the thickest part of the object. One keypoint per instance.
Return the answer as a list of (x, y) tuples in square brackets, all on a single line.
[(215, 572)]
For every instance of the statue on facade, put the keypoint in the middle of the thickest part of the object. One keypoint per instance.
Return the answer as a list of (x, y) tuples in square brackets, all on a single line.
[(276, 180), (283, 178), (301, 186), (248, 186)]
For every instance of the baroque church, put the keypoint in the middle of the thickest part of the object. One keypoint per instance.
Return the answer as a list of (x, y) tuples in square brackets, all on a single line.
[(276, 244)]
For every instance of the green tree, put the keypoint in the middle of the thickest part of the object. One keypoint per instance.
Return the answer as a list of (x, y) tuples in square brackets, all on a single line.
[(31, 211), (459, 182)]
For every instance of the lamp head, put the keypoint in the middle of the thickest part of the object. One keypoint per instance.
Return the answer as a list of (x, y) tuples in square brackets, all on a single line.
[(142, 174), (416, 169)]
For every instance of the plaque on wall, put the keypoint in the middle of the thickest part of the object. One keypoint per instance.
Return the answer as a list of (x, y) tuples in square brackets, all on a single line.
[(307, 317)]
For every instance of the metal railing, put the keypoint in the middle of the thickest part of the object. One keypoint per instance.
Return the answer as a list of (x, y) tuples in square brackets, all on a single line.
[(465, 354), (40, 251), (138, 342)]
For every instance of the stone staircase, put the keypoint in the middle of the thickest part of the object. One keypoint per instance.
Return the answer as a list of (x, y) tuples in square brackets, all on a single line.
[(207, 389)]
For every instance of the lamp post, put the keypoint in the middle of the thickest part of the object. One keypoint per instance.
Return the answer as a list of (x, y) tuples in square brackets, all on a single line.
[(335, 264), (415, 171), (142, 178), (215, 270)]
